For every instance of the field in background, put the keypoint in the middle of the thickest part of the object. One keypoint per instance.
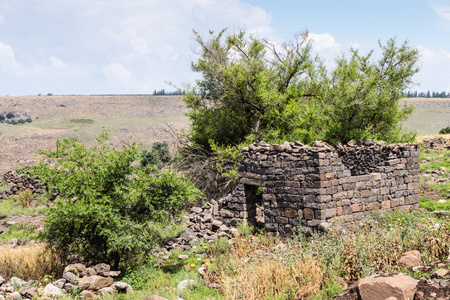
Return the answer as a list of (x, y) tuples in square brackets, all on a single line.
[(142, 119), (430, 115)]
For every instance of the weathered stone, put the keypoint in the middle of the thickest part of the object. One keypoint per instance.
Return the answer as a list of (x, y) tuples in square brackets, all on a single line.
[(110, 274), (70, 277), (439, 273), (411, 259), (30, 293), (2, 280), (122, 287), (52, 291), (76, 269), (87, 295), (13, 296), (17, 282), (216, 224), (99, 268), (94, 282), (59, 283), (378, 287), (196, 210), (155, 297), (185, 286), (106, 291)]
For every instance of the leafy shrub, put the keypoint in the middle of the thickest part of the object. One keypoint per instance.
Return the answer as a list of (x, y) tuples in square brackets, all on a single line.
[(2, 118), (13, 122), (9, 115), (445, 130), (108, 206), (159, 155), (28, 120), (21, 121)]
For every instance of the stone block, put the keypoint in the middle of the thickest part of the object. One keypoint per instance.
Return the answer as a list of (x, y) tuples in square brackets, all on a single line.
[(290, 213), (308, 214)]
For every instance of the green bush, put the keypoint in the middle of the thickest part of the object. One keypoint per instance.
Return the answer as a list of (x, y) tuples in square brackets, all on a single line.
[(108, 206), (445, 130), (21, 121), (2, 118), (28, 120), (9, 115), (13, 122), (159, 155)]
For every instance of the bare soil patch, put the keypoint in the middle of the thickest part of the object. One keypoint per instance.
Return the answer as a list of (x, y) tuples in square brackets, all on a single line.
[(141, 119)]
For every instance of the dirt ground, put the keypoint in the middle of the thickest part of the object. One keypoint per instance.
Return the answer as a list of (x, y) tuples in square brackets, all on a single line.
[(142, 119)]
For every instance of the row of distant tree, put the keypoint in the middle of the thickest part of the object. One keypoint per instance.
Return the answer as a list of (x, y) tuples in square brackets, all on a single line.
[(408, 94), (163, 92), (428, 94)]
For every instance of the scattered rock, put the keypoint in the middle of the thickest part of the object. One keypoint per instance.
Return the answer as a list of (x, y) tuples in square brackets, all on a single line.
[(411, 259), (155, 297), (87, 295), (52, 291), (378, 287), (184, 286), (439, 273)]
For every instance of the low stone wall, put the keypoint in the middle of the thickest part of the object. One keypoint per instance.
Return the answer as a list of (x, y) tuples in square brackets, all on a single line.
[(281, 186), (20, 183)]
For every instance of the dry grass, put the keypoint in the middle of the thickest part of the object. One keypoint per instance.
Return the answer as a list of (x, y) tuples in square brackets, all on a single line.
[(27, 262), (257, 269), (432, 136), (141, 119)]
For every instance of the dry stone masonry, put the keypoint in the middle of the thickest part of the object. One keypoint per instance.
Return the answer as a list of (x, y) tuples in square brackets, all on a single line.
[(18, 183), (283, 186)]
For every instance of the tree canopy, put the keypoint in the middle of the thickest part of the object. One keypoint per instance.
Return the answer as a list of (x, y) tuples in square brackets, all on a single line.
[(252, 89)]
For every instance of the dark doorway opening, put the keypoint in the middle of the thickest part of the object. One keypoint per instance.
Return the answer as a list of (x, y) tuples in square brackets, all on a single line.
[(255, 206)]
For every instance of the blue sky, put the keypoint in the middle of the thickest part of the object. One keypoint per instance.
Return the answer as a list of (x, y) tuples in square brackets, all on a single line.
[(136, 46)]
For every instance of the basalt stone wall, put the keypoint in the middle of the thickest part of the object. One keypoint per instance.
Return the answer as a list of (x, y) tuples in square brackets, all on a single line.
[(281, 186)]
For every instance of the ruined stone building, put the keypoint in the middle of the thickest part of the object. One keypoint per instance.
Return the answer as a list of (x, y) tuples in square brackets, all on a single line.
[(281, 186)]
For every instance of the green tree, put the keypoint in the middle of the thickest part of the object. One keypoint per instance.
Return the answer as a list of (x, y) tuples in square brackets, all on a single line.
[(361, 98), (253, 88), (9, 115), (159, 155), (108, 206)]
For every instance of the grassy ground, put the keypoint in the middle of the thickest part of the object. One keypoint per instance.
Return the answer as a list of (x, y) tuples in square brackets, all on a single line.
[(141, 119), (429, 116)]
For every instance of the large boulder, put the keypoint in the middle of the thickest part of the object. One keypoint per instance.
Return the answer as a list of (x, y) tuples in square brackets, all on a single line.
[(94, 282), (382, 287)]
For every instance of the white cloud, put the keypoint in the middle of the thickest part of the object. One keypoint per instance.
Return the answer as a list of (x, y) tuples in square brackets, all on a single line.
[(434, 72), (8, 63), (443, 11), (57, 63), (138, 45), (324, 41), (117, 74)]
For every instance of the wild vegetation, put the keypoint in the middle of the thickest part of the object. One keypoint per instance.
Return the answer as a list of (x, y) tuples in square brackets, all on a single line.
[(108, 208), (118, 205), (276, 94)]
